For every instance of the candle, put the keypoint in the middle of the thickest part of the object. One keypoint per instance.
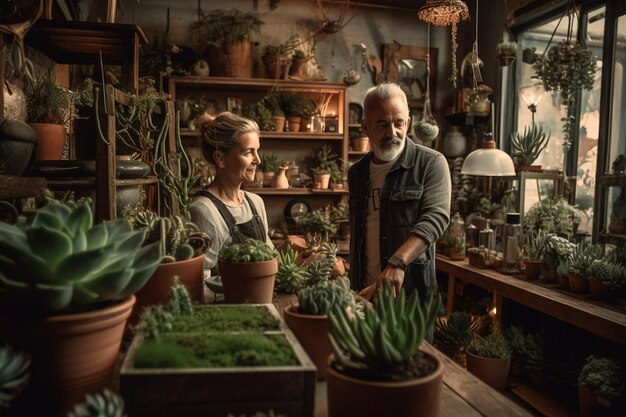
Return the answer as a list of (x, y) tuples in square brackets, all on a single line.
[(493, 121)]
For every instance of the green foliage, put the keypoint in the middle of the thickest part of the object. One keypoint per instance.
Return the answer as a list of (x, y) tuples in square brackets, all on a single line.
[(292, 104), (60, 261), (534, 245), (250, 250), (583, 256), (386, 341), (47, 102), (455, 330), (489, 209), (269, 163), (557, 250), (551, 216), (527, 349), (107, 404), (529, 145), (339, 213), (224, 27), (317, 221), (603, 376), (320, 269), (290, 277), (326, 160), (494, 345), (609, 272), (260, 114), (506, 48), (319, 299), (13, 374), (282, 48), (179, 302)]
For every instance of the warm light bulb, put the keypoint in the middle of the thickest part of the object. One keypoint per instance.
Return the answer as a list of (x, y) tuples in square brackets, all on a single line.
[(532, 93)]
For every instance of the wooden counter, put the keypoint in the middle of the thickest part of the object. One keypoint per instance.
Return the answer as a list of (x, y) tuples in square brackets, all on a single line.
[(596, 318)]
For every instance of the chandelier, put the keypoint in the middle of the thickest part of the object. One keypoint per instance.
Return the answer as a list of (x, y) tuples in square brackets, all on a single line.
[(443, 12)]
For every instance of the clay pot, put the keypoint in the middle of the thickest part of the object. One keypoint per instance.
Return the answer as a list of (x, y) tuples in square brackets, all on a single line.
[(156, 291), (578, 283), (294, 123), (312, 332), (533, 269), (493, 371), (230, 59), (279, 123), (268, 178), (599, 290), (72, 355), (320, 181), (50, 141), (563, 282), (361, 144), (248, 282), (272, 64), (548, 275), (348, 396)]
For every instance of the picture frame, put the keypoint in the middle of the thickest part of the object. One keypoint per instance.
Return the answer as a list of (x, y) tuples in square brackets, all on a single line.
[(406, 66), (234, 105)]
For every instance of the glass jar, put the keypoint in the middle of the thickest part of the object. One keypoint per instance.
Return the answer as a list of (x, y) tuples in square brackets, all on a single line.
[(486, 238), (457, 234), (471, 236), (512, 244)]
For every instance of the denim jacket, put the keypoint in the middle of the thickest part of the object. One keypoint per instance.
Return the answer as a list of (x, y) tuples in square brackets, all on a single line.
[(415, 198)]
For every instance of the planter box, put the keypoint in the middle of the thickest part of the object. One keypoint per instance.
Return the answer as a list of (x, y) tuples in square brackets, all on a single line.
[(287, 390)]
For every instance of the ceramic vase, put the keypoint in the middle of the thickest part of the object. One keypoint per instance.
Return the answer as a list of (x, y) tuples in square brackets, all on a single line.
[(280, 179), (454, 143)]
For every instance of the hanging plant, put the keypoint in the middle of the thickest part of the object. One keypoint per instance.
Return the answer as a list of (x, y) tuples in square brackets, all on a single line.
[(426, 129)]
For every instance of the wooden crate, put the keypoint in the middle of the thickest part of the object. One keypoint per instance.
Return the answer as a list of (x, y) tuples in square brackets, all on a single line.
[(215, 392)]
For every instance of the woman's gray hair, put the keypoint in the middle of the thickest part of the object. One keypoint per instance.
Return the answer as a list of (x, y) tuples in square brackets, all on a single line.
[(383, 92), (220, 133)]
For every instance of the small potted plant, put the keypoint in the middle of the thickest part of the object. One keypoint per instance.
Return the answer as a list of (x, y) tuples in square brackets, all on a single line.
[(317, 221), (293, 104), (557, 251), (600, 381), (551, 216), (532, 252), (298, 68), (248, 270), (453, 333), (489, 358), (278, 114), (260, 114), (275, 57), (606, 278), (326, 163), (359, 140), (527, 353), (527, 147), (291, 276), (506, 53), (582, 257), (308, 319), (529, 55), (268, 166), (377, 367)]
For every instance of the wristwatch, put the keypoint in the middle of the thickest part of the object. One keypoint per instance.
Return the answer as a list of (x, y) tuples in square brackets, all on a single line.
[(396, 262)]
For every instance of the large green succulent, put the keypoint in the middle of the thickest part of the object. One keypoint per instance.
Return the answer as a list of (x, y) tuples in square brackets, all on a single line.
[(60, 261), (290, 277), (321, 298), (385, 342), (456, 330)]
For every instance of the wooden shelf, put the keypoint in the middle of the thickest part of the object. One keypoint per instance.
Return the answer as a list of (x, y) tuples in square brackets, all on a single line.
[(294, 191), (258, 84), (355, 153), (68, 182), (279, 135), (612, 180), (540, 401)]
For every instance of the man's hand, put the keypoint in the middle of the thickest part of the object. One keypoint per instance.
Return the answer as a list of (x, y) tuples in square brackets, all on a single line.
[(369, 292), (392, 275)]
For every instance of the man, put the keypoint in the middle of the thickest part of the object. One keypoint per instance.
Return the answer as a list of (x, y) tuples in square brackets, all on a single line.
[(399, 201)]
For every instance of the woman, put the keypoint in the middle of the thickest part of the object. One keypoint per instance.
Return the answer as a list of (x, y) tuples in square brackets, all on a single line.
[(222, 210)]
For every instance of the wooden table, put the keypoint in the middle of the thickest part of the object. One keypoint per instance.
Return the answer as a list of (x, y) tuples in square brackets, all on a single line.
[(593, 317)]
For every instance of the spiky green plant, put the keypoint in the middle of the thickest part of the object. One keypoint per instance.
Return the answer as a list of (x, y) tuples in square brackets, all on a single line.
[(385, 343), (179, 302), (529, 145), (455, 330), (583, 256), (13, 374), (603, 376), (534, 245), (159, 319), (494, 345), (60, 261), (320, 269), (290, 277), (107, 404), (319, 299), (611, 274)]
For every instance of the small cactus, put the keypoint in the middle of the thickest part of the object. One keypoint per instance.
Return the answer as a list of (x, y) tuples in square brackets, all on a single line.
[(179, 302), (13, 374), (290, 277), (107, 404)]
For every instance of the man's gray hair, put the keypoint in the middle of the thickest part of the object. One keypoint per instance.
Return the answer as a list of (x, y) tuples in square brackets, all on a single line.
[(383, 92)]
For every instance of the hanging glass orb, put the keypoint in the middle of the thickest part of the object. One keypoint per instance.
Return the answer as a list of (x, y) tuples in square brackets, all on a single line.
[(443, 12)]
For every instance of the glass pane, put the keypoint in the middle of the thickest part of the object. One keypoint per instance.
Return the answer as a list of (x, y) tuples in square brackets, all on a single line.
[(589, 125)]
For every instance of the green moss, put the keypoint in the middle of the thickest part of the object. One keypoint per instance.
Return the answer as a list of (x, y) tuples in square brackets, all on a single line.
[(226, 318), (215, 350)]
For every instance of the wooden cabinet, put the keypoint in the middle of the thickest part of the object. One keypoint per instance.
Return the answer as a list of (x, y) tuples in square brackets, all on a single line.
[(221, 93)]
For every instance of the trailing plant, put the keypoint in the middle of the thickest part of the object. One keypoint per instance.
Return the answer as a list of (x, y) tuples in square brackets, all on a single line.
[(14, 374), (269, 163), (326, 160), (384, 344), (534, 245), (551, 216), (59, 261), (250, 250), (455, 330), (610, 273), (290, 277), (603, 376), (320, 299), (221, 27), (494, 345), (47, 102), (529, 145), (583, 256), (107, 404)]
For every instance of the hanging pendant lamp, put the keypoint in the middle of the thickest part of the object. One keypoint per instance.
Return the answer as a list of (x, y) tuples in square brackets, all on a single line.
[(443, 12)]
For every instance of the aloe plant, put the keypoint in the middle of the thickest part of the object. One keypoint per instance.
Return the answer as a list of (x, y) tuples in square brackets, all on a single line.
[(529, 145), (290, 277), (319, 299), (583, 256), (534, 245), (456, 330), (385, 342), (13, 374), (107, 404), (60, 261)]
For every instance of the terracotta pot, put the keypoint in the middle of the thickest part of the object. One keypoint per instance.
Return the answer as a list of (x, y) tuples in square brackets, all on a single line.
[(533, 269), (156, 291), (273, 67), (268, 178), (248, 282), (493, 371), (361, 144), (279, 123), (294, 123), (230, 60), (72, 355), (351, 397), (578, 283), (312, 332), (564, 282), (599, 291), (592, 405), (50, 141), (455, 352), (548, 275), (320, 181)]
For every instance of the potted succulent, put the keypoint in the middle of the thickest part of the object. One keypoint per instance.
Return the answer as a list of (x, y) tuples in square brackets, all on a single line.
[(227, 36), (359, 140), (14, 374), (453, 333), (49, 108), (506, 53), (600, 381), (557, 251), (377, 367), (308, 319), (326, 164), (291, 276), (489, 358), (551, 216), (268, 166), (582, 257), (527, 353), (68, 286), (532, 252), (106, 404), (527, 147), (606, 278), (248, 270)]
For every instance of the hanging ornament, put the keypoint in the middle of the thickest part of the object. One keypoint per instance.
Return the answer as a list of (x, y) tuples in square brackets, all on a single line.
[(426, 129), (446, 13)]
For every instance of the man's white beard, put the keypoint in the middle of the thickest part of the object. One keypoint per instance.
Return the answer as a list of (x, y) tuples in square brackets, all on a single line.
[(390, 151)]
